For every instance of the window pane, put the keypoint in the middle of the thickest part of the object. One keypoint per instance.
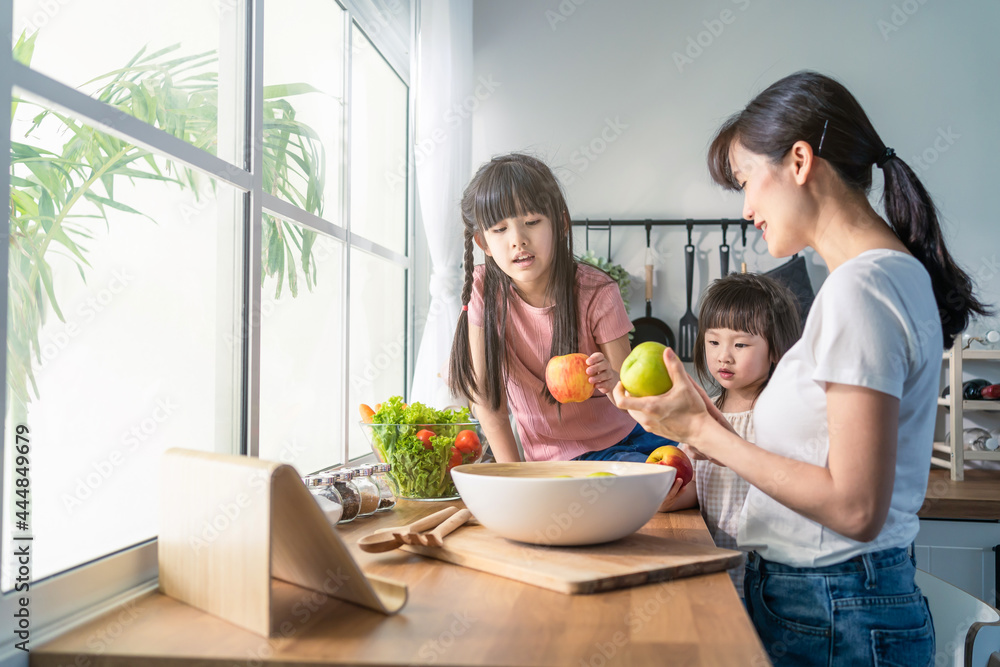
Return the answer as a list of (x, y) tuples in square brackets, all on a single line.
[(378, 148), (174, 55), (378, 337), (304, 86), (301, 377), (136, 353)]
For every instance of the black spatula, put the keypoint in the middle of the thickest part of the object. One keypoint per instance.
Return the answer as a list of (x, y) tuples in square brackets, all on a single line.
[(689, 323)]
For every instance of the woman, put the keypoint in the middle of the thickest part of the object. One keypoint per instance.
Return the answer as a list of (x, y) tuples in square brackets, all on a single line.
[(845, 426)]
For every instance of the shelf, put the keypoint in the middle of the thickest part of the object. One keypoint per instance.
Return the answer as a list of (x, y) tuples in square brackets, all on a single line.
[(985, 406), (977, 455), (972, 406), (980, 354), (955, 358)]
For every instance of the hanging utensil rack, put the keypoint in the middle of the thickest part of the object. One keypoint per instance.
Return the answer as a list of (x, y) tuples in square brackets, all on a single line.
[(606, 225)]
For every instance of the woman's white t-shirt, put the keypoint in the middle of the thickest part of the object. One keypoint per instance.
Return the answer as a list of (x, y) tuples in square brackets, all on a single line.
[(874, 324)]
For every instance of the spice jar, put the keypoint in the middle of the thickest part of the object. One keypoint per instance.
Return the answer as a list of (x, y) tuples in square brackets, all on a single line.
[(327, 496), (386, 486), (349, 493), (370, 493)]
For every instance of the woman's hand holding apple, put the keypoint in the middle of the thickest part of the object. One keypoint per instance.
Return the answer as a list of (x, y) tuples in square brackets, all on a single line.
[(680, 414)]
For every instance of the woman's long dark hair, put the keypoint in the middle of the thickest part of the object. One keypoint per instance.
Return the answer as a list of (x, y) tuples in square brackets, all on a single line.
[(748, 302), (811, 107), (505, 187)]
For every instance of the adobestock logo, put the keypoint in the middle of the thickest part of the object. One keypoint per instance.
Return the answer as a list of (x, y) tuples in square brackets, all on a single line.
[(898, 17), (88, 484), (38, 17), (563, 11), (944, 140), (454, 117), (704, 39), (587, 154)]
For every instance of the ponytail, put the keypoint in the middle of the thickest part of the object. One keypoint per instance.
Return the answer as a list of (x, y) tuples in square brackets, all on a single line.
[(913, 218), (811, 107)]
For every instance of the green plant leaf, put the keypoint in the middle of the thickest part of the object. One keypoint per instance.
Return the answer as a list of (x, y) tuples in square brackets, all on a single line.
[(111, 203), (288, 90)]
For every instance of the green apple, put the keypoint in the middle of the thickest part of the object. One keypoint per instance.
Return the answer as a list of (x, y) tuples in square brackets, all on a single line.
[(643, 371), (602, 474)]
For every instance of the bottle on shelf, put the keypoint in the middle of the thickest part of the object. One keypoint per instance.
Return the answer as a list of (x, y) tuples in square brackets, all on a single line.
[(971, 389), (987, 340), (979, 439)]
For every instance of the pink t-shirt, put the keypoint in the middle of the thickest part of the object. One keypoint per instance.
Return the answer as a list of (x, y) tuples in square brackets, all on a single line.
[(592, 425)]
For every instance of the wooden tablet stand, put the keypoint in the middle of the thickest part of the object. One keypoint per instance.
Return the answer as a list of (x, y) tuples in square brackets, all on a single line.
[(228, 524)]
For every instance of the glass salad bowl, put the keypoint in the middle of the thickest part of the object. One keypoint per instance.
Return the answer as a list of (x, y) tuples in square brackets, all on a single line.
[(422, 445), (422, 455)]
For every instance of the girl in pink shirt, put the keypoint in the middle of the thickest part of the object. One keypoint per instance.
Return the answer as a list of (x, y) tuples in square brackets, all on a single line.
[(529, 302)]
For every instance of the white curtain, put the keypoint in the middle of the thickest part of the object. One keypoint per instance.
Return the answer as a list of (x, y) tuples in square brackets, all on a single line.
[(443, 152)]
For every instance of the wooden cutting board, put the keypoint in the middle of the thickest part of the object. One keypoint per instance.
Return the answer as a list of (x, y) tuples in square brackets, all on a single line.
[(640, 558)]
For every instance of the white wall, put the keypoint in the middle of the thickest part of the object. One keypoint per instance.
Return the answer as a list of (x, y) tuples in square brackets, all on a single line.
[(561, 70)]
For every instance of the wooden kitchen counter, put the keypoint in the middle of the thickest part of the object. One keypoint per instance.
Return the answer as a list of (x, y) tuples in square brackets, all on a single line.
[(977, 497), (454, 616)]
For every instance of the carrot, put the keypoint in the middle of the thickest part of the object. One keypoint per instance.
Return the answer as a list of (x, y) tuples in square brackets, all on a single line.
[(366, 413)]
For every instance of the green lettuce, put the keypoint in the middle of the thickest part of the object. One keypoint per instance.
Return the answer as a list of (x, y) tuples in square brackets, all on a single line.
[(418, 472)]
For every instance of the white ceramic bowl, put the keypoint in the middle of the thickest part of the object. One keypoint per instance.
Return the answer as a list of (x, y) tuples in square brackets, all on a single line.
[(529, 502)]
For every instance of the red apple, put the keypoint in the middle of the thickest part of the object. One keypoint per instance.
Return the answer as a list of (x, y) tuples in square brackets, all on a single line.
[(668, 455), (567, 379)]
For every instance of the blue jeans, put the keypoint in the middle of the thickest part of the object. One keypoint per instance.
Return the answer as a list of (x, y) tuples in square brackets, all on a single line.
[(636, 446), (864, 611)]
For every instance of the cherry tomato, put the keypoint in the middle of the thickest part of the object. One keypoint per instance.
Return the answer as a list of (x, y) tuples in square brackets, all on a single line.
[(456, 458), (467, 442), (425, 437)]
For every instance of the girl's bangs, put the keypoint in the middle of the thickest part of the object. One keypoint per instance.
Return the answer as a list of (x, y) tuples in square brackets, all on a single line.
[(735, 312), (510, 191)]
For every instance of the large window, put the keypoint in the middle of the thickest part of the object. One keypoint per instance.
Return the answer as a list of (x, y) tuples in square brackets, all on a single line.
[(206, 251)]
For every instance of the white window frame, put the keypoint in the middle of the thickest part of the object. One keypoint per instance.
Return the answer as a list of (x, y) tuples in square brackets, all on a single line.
[(74, 596)]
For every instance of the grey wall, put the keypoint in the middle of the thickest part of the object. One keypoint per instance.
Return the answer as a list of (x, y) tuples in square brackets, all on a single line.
[(561, 73)]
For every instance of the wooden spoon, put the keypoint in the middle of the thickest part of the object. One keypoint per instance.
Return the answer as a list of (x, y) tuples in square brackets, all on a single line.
[(435, 537), (379, 542)]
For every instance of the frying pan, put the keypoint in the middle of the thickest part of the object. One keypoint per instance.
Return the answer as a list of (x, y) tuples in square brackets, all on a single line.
[(794, 275), (649, 328)]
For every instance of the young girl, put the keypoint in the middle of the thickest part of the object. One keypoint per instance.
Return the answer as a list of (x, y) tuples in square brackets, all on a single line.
[(845, 426), (532, 301), (746, 324)]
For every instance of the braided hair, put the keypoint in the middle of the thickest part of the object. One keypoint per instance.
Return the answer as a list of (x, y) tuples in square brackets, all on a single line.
[(510, 186)]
